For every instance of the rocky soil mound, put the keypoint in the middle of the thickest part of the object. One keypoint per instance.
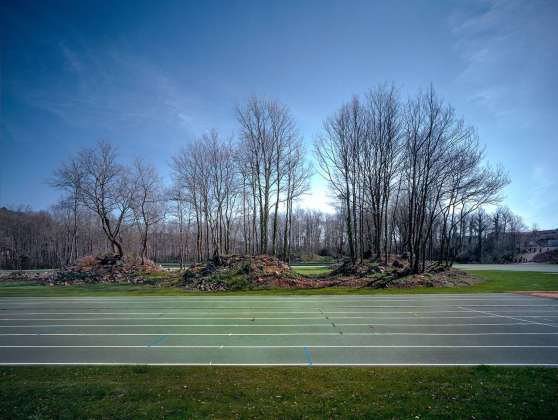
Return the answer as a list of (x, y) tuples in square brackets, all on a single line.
[(369, 268), (236, 272), (549, 257), (398, 275), (106, 268)]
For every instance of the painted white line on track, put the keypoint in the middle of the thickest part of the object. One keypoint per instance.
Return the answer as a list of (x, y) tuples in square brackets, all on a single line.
[(430, 306), (252, 313), (316, 297), (272, 364), (279, 334), (440, 303), (324, 324), (515, 318), (277, 347), (267, 318), (249, 312)]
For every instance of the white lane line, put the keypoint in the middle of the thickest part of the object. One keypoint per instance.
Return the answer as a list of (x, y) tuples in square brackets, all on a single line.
[(328, 325), (317, 297), (278, 347), (272, 364), (265, 318), (341, 334), (247, 312), (361, 306), (511, 317), (430, 306)]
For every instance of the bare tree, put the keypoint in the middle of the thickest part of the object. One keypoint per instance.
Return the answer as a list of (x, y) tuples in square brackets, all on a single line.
[(68, 177), (338, 153), (101, 185), (266, 129), (148, 204)]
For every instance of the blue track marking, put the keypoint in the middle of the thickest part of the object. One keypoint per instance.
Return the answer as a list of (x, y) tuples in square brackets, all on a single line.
[(158, 340), (308, 356)]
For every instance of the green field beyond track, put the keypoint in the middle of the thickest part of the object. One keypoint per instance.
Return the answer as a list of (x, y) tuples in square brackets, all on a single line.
[(185, 392), (496, 281)]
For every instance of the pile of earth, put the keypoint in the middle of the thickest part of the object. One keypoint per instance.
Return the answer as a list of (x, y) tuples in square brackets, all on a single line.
[(449, 277), (398, 274), (367, 268), (31, 277), (237, 272), (549, 257), (107, 268)]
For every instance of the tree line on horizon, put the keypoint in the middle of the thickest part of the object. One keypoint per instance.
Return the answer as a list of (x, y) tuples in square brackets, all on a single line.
[(408, 177)]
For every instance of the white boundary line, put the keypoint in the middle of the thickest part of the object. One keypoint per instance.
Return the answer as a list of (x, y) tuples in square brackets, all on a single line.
[(430, 306), (250, 312), (554, 365), (268, 318), (265, 325), (340, 334), (512, 317), (220, 347), (451, 304), (286, 297)]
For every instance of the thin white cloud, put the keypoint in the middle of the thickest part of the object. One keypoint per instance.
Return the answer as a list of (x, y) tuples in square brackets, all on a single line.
[(504, 46)]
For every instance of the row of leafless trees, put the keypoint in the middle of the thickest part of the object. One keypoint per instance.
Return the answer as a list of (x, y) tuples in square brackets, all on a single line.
[(95, 181), (407, 177), (403, 169), (46, 239), (250, 185), (219, 185)]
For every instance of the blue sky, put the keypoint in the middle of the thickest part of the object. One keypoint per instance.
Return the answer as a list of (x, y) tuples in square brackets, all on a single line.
[(149, 76)]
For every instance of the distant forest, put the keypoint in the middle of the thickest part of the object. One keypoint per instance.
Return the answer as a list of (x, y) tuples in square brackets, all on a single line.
[(407, 177)]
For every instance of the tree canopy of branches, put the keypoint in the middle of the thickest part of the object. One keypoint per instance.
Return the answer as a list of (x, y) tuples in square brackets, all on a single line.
[(408, 177), (403, 170), (243, 187), (270, 157), (102, 185)]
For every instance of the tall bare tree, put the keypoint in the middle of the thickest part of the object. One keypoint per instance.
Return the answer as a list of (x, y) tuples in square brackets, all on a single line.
[(148, 203), (102, 185), (266, 130)]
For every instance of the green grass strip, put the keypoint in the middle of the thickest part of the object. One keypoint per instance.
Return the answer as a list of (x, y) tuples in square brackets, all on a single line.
[(495, 281), (189, 392)]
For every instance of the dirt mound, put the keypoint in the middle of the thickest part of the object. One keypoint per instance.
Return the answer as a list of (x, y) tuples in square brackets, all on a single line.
[(368, 268), (549, 257), (398, 274), (446, 278), (106, 268), (236, 272)]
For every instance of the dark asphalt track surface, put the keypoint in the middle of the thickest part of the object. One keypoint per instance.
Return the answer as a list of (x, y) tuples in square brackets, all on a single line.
[(395, 330)]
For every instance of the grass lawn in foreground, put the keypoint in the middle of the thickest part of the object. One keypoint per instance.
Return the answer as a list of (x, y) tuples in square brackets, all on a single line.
[(186, 392), (496, 281)]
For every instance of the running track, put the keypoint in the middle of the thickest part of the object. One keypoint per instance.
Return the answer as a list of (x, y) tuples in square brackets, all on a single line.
[(397, 330)]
